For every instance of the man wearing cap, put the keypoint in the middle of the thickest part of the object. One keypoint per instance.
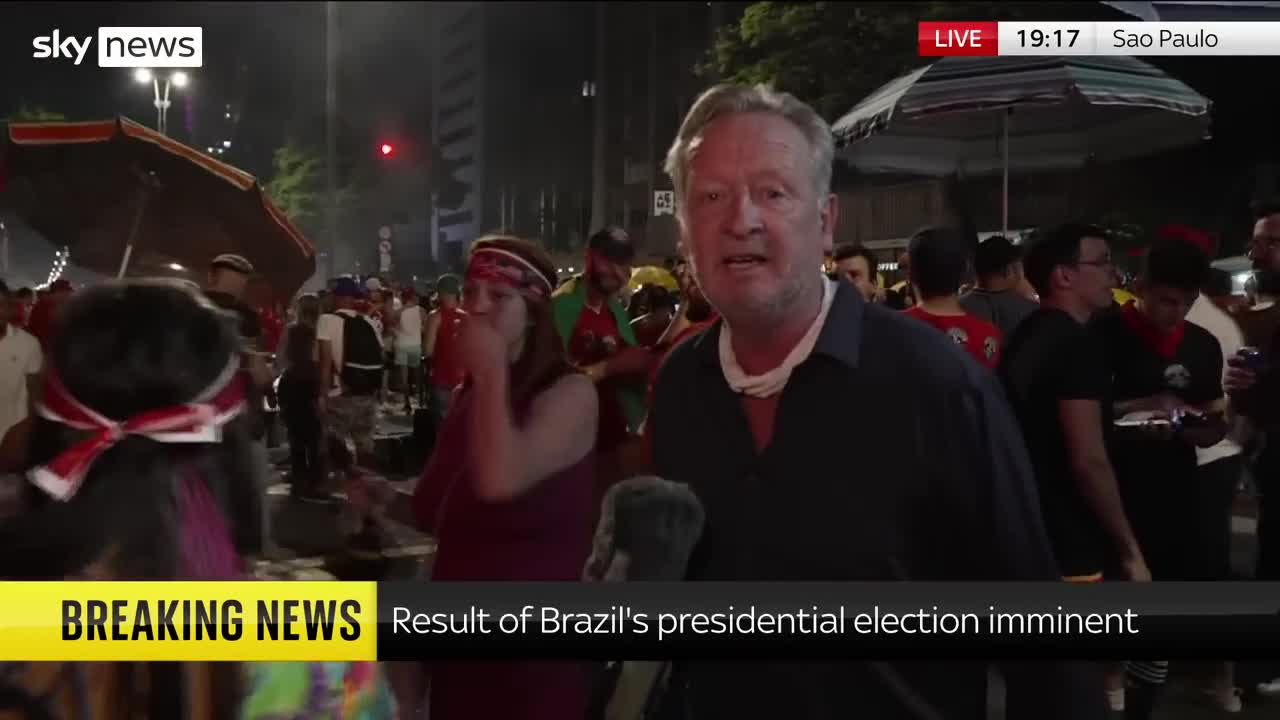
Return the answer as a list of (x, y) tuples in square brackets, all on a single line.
[(598, 338), (440, 341), (228, 280), (998, 298)]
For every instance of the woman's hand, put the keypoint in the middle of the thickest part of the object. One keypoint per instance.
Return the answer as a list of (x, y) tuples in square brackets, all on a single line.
[(480, 349)]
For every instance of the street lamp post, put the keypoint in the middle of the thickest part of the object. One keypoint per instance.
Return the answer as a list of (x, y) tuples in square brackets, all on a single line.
[(178, 79)]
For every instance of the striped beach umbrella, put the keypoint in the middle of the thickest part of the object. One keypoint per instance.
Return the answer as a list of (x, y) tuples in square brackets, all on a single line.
[(981, 115)]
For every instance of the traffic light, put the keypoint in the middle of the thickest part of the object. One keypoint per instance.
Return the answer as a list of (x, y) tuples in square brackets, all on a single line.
[(386, 149)]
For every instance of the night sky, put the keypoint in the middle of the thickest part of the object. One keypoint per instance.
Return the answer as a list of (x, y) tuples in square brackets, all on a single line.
[(266, 61)]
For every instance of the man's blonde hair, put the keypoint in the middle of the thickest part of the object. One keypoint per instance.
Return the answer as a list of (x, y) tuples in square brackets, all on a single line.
[(732, 99)]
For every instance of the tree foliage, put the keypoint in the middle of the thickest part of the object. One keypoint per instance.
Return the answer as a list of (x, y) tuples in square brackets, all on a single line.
[(296, 180), (833, 54), (34, 113)]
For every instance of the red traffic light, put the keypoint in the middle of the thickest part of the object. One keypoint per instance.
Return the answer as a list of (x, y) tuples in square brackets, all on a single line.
[(386, 150)]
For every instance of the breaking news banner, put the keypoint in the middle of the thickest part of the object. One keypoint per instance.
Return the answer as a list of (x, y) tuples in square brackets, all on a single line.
[(987, 38), (336, 621), (198, 621)]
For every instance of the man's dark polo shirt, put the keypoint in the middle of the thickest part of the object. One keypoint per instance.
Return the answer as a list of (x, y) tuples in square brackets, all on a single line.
[(894, 457)]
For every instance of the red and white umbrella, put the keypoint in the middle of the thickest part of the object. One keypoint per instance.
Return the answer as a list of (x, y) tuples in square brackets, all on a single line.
[(127, 200)]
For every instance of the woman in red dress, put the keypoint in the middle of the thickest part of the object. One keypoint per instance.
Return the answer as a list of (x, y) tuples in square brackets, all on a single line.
[(508, 489)]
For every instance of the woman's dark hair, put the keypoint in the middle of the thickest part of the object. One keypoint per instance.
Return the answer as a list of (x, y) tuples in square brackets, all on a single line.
[(543, 360), (309, 310), (126, 511), (300, 348)]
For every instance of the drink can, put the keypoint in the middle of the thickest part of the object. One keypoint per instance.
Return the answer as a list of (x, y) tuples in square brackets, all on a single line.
[(1252, 358)]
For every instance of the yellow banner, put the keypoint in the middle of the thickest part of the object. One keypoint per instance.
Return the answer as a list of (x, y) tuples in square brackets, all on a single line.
[(207, 621)]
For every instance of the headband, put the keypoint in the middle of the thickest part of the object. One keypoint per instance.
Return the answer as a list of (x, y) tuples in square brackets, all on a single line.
[(198, 421), (510, 269)]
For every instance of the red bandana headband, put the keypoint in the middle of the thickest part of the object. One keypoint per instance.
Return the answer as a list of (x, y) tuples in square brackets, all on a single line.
[(199, 421), (510, 269)]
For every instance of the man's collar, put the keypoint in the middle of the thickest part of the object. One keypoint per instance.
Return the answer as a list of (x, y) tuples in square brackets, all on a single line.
[(840, 337)]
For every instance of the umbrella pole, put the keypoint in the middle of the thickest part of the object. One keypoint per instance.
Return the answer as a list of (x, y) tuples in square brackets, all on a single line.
[(133, 234), (1004, 159)]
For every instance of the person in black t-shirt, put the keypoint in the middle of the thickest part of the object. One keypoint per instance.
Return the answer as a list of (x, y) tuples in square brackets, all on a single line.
[(1056, 375), (1163, 365)]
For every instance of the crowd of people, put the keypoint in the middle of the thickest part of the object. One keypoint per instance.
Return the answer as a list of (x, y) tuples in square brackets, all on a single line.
[(998, 414)]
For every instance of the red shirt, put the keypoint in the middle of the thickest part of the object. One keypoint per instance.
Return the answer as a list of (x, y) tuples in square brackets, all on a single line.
[(596, 338), (446, 371), (980, 338), (272, 330)]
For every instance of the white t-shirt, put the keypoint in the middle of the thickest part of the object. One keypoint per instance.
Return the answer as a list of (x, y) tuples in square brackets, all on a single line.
[(409, 334), (20, 357), (1210, 317), (330, 329)]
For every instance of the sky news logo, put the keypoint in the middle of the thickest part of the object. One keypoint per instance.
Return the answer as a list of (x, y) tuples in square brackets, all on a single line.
[(127, 47)]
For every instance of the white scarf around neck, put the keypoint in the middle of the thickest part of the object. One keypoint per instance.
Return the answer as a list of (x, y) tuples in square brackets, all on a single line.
[(772, 382)]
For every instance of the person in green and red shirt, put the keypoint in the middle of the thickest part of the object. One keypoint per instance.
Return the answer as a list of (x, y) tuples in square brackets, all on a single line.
[(598, 338)]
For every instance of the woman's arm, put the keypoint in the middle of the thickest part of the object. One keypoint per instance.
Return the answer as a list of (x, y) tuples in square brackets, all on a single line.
[(429, 332), (509, 459), (428, 493)]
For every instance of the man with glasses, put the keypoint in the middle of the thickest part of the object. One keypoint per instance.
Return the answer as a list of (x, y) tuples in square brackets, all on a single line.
[(1056, 374)]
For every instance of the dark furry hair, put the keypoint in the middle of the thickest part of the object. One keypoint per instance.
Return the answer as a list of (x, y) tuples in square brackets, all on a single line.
[(125, 348)]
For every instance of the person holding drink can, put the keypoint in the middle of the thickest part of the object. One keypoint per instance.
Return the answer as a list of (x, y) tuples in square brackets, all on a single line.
[(1253, 384)]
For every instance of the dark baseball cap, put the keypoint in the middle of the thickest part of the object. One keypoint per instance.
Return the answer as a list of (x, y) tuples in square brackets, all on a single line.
[(995, 254), (614, 244), (348, 288)]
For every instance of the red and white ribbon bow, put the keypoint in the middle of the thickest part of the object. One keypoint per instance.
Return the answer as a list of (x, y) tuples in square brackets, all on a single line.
[(198, 421)]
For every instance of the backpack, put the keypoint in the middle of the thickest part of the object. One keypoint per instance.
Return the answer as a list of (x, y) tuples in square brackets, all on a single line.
[(362, 358)]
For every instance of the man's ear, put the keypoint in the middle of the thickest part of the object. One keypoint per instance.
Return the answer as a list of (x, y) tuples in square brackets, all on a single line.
[(828, 213)]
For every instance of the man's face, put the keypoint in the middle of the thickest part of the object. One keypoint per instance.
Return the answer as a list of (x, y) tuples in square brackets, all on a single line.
[(607, 276), (1264, 246), (855, 271), (1094, 275), (1165, 307), (752, 218), (228, 281)]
